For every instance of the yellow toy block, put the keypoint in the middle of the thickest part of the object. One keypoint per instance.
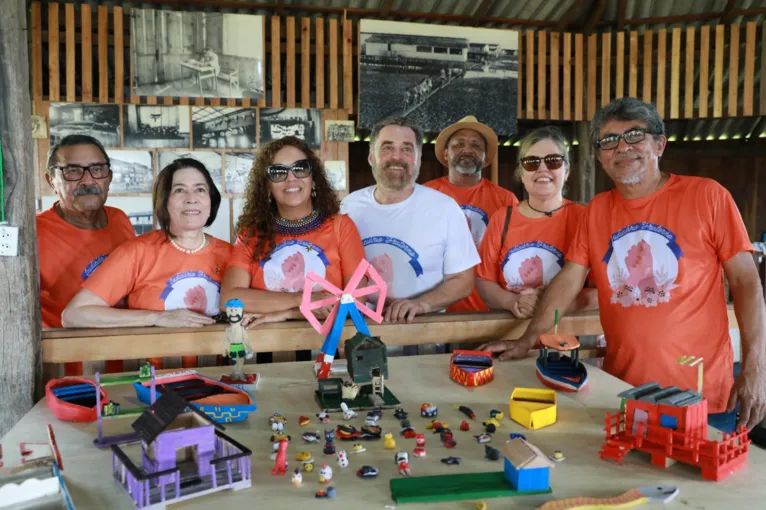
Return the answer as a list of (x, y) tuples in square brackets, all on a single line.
[(533, 408)]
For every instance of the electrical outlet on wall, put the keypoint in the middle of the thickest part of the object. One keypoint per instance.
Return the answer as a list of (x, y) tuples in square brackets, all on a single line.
[(9, 241)]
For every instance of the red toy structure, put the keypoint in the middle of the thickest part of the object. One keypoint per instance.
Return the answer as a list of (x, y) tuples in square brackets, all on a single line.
[(670, 423)]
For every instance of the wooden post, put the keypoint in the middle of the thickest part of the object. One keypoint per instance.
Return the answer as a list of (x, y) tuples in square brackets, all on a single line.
[(20, 318), (585, 164)]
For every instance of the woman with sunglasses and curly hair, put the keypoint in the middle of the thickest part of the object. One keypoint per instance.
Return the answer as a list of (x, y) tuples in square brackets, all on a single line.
[(524, 247), (289, 227)]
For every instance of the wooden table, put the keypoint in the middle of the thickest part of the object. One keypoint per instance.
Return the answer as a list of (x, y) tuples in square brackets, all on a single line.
[(288, 388)]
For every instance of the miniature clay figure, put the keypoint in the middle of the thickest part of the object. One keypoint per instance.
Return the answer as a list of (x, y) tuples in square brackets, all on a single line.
[(419, 452), (280, 466), (304, 420), (358, 448), (402, 460), (371, 432), (325, 474), (557, 456), (400, 414), (436, 426), (409, 433), (347, 413), (324, 417), (466, 411), (278, 426), (514, 435), (342, 458), (236, 345), (349, 390), (311, 437), (301, 456), (490, 428), (498, 415), (420, 440), (388, 441), (280, 437), (450, 461), (491, 421), (308, 465), (491, 453), (405, 424), (480, 505), (297, 477), (483, 438), (447, 439), (428, 410), (327, 494), (329, 446), (276, 417), (464, 426), (372, 418), (367, 472)]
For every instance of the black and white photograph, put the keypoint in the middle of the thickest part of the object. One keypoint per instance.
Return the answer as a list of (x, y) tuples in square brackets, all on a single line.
[(211, 160), (339, 130), (414, 70), (197, 54), (132, 172), (336, 174), (223, 128), (302, 123), (237, 166), (156, 127), (101, 121)]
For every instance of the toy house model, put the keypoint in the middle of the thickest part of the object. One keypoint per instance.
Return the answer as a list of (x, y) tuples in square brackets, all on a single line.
[(367, 361), (670, 423), (184, 455), (526, 467)]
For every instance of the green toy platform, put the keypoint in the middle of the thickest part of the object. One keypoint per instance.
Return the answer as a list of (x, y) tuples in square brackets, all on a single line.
[(331, 403), (426, 489)]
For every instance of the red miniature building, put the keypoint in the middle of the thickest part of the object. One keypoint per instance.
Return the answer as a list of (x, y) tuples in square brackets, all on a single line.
[(669, 423)]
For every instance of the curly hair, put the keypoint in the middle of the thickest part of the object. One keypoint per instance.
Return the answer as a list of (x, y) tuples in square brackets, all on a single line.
[(258, 219)]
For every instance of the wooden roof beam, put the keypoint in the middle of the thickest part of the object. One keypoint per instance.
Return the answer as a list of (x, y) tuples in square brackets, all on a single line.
[(385, 8), (481, 11), (726, 13), (570, 15), (622, 7), (594, 16)]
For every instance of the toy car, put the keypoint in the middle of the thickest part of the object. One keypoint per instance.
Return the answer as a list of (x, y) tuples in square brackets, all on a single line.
[(428, 410), (367, 472), (311, 437), (483, 438), (451, 460)]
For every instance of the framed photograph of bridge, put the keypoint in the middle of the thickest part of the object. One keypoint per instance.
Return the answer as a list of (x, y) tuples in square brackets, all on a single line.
[(436, 76)]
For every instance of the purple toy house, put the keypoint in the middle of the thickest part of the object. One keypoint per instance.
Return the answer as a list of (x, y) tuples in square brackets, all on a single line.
[(210, 461)]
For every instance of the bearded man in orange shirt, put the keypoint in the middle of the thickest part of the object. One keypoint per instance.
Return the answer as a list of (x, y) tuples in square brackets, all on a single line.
[(659, 245)]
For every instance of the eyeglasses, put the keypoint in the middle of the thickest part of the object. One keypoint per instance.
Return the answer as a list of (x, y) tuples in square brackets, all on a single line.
[(633, 136), (77, 172), (552, 161), (278, 173)]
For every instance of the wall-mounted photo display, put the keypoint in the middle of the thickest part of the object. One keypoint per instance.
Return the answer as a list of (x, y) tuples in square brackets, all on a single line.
[(223, 128), (414, 70), (101, 121), (339, 130), (211, 160), (196, 54), (299, 122), (237, 168), (132, 171), (336, 174), (156, 127)]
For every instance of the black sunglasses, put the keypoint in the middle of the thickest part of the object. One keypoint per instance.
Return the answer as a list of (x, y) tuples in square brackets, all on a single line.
[(77, 172), (631, 137), (278, 173), (552, 161)]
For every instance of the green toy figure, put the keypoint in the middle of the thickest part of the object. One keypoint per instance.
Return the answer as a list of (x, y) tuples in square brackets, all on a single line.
[(236, 345)]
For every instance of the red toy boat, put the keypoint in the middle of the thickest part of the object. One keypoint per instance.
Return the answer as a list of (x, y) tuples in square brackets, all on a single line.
[(73, 399)]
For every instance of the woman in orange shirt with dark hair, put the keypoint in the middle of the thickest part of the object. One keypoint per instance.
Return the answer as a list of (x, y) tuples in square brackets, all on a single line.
[(289, 227), (168, 277)]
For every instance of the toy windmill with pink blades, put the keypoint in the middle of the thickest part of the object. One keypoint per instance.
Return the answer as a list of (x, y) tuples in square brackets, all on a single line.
[(345, 303)]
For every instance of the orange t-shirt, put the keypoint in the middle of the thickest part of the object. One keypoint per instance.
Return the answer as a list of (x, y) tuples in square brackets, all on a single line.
[(156, 276), (479, 203), (532, 252), (333, 251), (657, 266), (69, 255)]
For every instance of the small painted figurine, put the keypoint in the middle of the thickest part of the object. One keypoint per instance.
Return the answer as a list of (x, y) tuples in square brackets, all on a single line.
[(402, 460), (400, 414), (466, 411), (388, 441), (304, 420), (301, 456), (308, 465), (498, 415), (328, 494), (280, 465), (329, 446), (420, 440), (450, 461), (491, 453), (358, 448), (419, 452), (311, 437), (297, 477), (347, 413), (235, 345), (464, 426), (342, 458), (325, 474), (428, 410), (483, 438), (324, 417)]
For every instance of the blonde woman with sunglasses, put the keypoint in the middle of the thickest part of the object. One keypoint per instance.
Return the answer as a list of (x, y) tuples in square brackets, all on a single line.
[(290, 226), (524, 247)]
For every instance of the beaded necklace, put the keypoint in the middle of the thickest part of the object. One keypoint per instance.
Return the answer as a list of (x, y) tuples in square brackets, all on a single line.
[(302, 226), (189, 251)]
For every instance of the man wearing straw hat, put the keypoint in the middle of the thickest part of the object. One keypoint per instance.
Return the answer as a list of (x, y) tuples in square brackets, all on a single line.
[(465, 148)]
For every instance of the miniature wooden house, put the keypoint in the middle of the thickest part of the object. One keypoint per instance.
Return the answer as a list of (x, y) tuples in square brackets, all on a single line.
[(367, 358), (526, 468)]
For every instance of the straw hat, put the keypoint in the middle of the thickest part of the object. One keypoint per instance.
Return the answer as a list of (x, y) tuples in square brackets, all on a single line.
[(469, 122)]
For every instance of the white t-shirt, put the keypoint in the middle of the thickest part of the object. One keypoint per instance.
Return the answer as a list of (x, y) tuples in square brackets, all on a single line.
[(414, 243)]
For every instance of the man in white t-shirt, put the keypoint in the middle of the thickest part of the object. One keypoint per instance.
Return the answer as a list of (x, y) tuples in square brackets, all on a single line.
[(415, 237)]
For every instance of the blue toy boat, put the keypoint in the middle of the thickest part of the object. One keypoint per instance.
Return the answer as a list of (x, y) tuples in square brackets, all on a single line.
[(222, 402), (557, 371)]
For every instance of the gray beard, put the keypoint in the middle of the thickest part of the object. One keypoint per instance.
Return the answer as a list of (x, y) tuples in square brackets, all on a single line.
[(472, 170)]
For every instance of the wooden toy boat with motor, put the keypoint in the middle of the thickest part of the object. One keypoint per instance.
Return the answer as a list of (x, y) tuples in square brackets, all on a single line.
[(557, 371), (223, 402)]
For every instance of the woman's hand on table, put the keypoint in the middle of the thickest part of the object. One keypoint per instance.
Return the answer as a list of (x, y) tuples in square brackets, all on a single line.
[(182, 318), (508, 349), (252, 320)]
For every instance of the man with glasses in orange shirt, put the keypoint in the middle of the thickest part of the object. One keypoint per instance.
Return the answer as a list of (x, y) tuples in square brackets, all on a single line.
[(78, 232), (659, 246)]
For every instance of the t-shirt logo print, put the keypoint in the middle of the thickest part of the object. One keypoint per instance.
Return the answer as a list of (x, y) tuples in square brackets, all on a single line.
[(92, 266), (286, 268), (642, 265), (477, 222), (531, 265), (192, 290)]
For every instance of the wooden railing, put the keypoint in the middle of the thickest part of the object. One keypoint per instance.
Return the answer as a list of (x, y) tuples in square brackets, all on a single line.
[(64, 345)]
